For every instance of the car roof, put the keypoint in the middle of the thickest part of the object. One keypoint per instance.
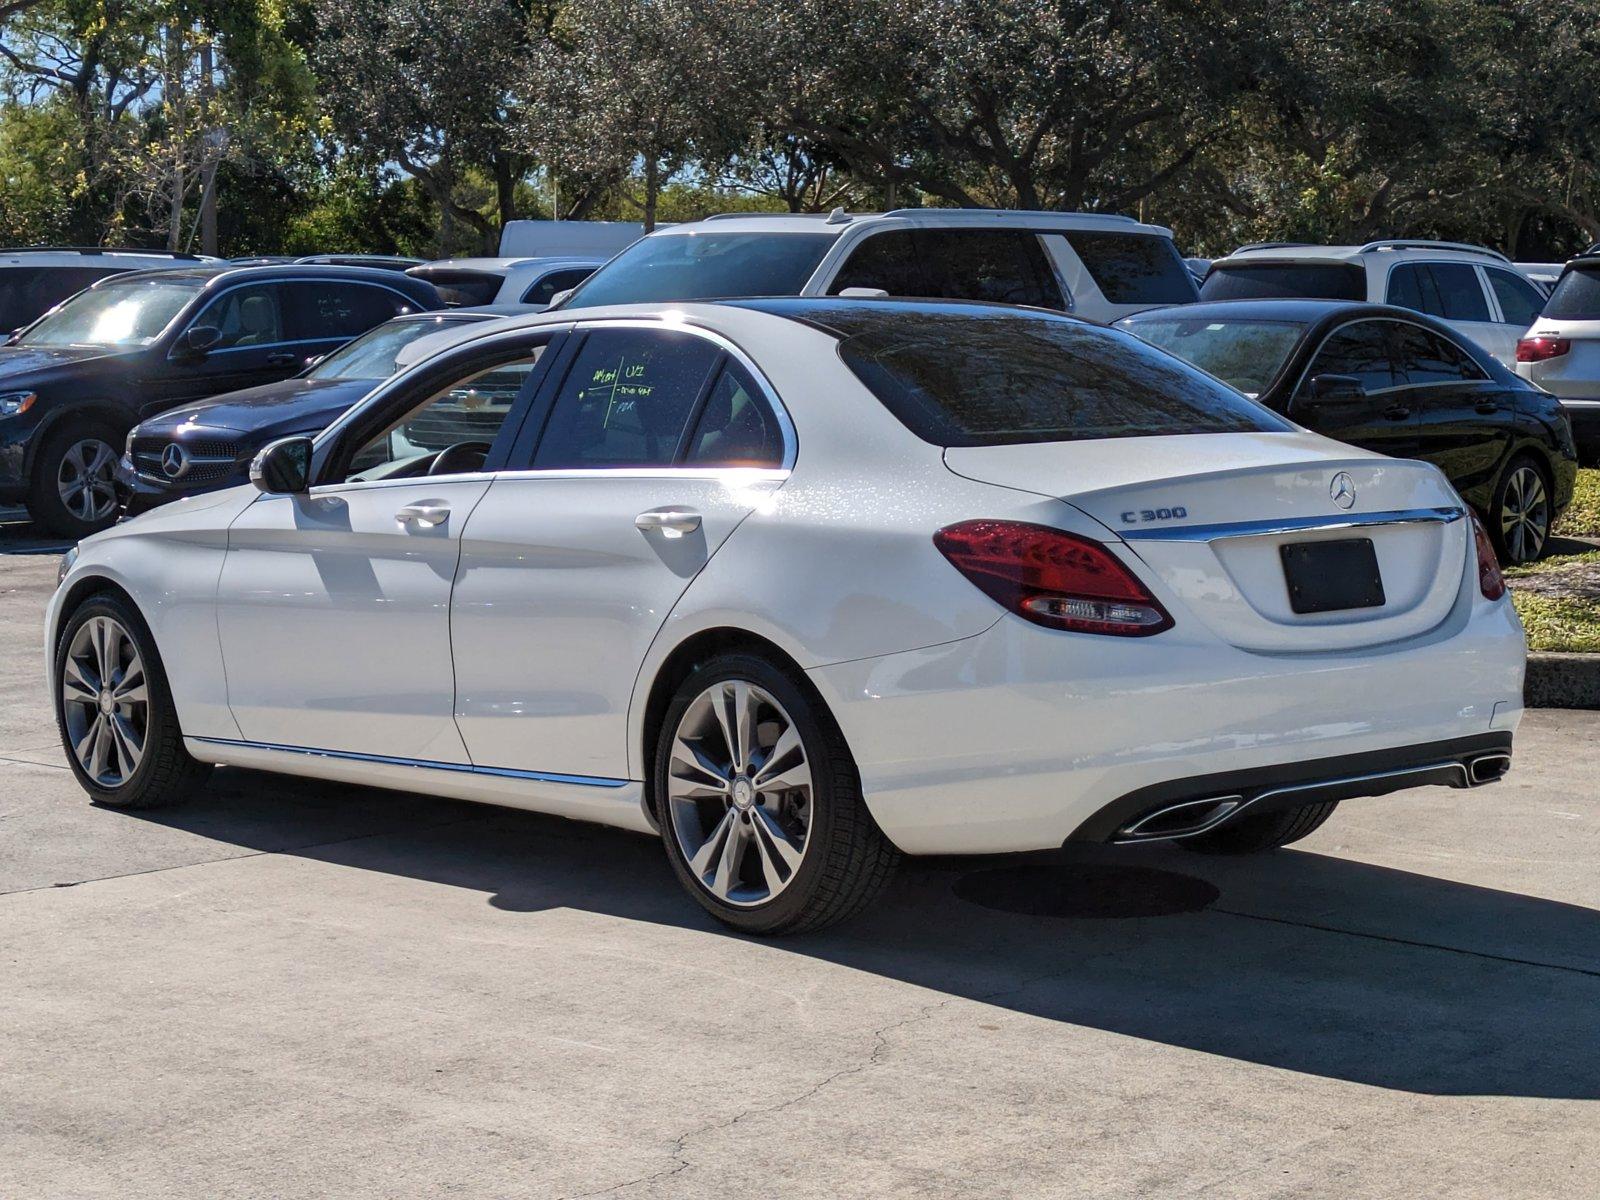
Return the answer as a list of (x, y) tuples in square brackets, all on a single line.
[(208, 274), (1303, 311), (1399, 248), (497, 265), (839, 220), (70, 256)]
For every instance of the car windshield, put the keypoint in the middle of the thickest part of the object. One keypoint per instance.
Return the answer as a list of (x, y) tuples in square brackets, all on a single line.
[(705, 266), (372, 355), (1577, 296), (973, 376), (1247, 354), (123, 313), (1272, 281)]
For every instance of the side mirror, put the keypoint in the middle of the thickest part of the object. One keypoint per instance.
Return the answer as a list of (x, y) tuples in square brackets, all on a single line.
[(283, 467), (1324, 388), (197, 341)]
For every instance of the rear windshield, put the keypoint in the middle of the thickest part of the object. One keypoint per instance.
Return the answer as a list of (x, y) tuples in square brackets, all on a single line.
[(1134, 268), (1247, 354), (978, 377), (1300, 281), (462, 288), (1577, 296), (705, 266)]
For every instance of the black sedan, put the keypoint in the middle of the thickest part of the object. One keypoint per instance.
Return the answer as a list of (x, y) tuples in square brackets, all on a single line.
[(76, 380), (1397, 382), (203, 447)]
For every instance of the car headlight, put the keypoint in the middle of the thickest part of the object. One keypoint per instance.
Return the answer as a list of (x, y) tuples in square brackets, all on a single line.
[(67, 559), (16, 403)]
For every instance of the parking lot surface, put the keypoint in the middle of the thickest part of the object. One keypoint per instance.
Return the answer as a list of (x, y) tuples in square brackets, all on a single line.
[(296, 989)]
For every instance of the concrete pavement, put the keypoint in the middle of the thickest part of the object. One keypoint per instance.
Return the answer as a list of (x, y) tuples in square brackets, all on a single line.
[(299, 990)]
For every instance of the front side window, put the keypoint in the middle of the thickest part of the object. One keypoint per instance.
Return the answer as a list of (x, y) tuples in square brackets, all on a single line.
[(450, 432), (705, 266), (885, 260), (1363, 351), (1425, 357), (246, 316), (1133, 268), (626, 401), (736, 428), (1520, 301), (325, 311), (1285, 281), (1247, 354), (122, 314), (372, 356), (970, 376), (557, 281)]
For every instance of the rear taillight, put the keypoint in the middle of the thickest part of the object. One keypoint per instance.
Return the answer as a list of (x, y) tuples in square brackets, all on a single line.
[(1541, 349), (1490, 582), (1052, 578)]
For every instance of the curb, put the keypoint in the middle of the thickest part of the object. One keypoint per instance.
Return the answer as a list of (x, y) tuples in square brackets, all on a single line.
[(1562, 681)]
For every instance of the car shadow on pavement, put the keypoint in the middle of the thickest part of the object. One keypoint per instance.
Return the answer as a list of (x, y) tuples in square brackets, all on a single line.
[(1301, 961)]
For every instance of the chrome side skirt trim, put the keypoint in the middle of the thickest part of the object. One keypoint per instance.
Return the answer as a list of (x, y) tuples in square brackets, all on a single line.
[(1233, 529), (596, 781)]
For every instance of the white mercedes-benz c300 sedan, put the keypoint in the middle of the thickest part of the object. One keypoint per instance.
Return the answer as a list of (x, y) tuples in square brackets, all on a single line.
[(803, 585)]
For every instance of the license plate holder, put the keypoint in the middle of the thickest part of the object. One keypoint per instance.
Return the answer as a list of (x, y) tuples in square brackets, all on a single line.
[(1334, 576)]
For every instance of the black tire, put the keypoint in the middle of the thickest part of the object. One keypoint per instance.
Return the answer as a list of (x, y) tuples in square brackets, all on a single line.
[(847, 860), (1264, 831), (1527, 540), (166, 774), (45, 503)]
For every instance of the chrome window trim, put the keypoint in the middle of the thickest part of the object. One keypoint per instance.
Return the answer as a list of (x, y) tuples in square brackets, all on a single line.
[(598, 781), (1450, 338), (1234, 529)]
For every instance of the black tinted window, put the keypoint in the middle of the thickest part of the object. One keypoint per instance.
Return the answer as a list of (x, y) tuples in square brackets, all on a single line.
[(1520, 301), (461, 288), (884, 260), (1577, 294), (1428, 358), (1361, 350), (975, 377), (626, 401), (1460, 294), (340, 310), (556, 281), (705, 266), (993, 265), (1134, 268), (251, 315), (736, 428), (1305, 281), (27, 292), (1411, 286)]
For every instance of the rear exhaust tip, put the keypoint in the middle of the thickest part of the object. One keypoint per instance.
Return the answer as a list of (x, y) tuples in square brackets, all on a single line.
[(1181, 820), (1487, 768)]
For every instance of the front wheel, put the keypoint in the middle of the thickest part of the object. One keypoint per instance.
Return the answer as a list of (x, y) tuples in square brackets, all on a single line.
[(760, 804), (115, 713), (1522, 513), (73, 492)]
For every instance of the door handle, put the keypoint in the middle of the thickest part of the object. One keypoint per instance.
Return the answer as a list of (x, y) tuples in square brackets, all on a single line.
[(281, 358), (672, 522), (1397, 412), (1487, 407), (425, 515)]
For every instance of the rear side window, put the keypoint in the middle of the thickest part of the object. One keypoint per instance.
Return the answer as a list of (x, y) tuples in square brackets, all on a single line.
[(1134, 268), (1577, 295), (736, 428), (340, 310), (1428, 358), (627, 400), (1460, 293), (1289, 281), (1520, 302), (998, 266), (1363, 351), (985, 378), (706, 266), (557, 281)]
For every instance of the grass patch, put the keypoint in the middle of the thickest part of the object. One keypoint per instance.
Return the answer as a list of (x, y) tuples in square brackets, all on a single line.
[(1552, 566), (1559, 622), (1583, 515)]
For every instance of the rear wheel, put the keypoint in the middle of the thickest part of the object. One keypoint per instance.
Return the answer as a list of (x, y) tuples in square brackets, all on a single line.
[(73, 491), (759, 802), (1523, 512), (115, 713), (1264, 831)]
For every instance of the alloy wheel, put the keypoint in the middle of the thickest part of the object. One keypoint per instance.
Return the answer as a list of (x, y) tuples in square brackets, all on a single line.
[(86, 480), (106, 701), (1525, 515), (739, 793)]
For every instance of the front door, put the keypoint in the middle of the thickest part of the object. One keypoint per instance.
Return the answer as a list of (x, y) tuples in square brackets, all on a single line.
[(654, 447), (333, 607), (255, 344), (1381, 417)]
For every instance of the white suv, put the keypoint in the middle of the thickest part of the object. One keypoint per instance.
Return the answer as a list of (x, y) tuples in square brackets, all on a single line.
[(1477, 291), (1094, 265), (1561, 351), (36, 279)]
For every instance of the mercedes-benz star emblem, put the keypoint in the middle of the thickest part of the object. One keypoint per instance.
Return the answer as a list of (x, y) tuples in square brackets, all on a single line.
[(175, 461), (1343, 489)]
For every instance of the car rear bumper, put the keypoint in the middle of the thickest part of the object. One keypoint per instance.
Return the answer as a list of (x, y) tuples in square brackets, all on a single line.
[(1022, 739)]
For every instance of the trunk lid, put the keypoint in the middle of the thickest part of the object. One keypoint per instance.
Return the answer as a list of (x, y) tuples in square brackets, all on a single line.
[(1207, 515)]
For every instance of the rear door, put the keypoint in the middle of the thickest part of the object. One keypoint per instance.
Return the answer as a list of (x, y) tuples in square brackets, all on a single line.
[(1465, 420), (324, 315), (629, 474), (1382, 418), (1112, 273)]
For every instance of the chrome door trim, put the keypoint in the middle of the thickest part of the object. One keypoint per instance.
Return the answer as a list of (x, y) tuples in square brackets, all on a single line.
[(1233, 529), (596, 781)]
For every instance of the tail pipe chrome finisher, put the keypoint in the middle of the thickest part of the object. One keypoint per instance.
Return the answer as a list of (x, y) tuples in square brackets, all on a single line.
[(1181, 820), (1487, 768)]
